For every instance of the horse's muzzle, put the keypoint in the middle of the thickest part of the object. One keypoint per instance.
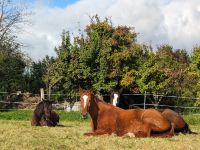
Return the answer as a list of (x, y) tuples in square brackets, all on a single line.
[(84, 115)]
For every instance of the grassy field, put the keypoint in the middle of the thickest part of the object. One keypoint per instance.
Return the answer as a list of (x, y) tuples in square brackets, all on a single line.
[(17, 133)]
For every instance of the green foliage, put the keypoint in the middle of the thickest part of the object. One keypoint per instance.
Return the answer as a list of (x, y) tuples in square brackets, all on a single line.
[(12, 68), (196, 57), (164, 71), (12, 60), (102, 58), (194, 72)]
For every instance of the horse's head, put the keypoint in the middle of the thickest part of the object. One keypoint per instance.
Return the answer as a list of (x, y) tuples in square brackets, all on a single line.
[(47, 108), (115, 97), (85, 98)]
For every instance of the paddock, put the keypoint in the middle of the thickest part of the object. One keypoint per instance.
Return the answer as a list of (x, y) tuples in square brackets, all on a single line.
[(17, 133)]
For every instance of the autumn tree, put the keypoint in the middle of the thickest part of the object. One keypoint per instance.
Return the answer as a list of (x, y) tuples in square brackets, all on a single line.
[(192, 87)]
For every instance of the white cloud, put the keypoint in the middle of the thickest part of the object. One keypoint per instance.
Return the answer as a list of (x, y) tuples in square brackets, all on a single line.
[(182, 23), (174, 22)]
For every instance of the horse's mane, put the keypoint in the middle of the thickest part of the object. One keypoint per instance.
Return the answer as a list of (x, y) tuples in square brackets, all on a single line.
[(39, 106), (99, 98)]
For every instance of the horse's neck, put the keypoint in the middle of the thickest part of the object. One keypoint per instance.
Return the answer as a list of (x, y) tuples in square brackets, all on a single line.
[(39, 109), (96, 106), (93, 109)]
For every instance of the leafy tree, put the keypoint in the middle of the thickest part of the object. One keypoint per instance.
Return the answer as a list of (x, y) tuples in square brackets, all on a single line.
[(57, 76), (108, 55), (193, 86), (12, 60), (11, 17), (35, 74), (164, 72), (12, 67)]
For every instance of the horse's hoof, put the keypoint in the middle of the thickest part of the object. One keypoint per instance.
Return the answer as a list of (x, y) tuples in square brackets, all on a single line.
[(129, 134)]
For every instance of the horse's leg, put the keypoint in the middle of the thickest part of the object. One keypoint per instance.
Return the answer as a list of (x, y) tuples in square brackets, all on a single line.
[(143, 130), (163, 125), (92, 125), (146, 131), (35, 121), (156, 120), (139, 134), (95, 133), (43, 122), (168, 134), (171, 132)]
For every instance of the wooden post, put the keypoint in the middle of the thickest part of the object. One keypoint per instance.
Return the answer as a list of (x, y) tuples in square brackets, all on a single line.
[(42, 94), (49, 92)]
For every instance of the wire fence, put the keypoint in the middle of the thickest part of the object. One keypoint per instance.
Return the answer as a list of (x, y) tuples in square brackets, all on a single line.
[(175, 102), (61, 94)]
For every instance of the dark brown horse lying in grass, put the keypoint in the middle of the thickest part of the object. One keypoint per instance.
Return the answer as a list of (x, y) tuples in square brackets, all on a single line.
[(108, 119), (53, 121), (117, 99), (179, 122), (43, 115)]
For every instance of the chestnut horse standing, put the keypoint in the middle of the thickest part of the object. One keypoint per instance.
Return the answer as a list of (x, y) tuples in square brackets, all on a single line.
[(108, 119), (116, 99)]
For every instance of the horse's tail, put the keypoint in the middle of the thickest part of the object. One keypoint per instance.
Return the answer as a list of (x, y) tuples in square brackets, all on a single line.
[(186, 130)]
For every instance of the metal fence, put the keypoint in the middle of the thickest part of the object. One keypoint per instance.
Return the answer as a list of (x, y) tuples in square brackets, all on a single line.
[(74, 105)]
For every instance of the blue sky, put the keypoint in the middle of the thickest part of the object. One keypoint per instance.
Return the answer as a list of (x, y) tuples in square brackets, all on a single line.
[(60, 3), (50, 3)]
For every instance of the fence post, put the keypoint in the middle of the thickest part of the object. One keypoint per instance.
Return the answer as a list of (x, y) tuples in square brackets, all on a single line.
[(145, 99), (41, 94)]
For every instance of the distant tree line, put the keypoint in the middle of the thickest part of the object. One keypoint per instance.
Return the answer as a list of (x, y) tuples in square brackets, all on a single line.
[(102, 58)]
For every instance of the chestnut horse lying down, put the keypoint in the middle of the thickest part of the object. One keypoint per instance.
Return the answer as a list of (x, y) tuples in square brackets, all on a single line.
[(117, 99), (108, 119), (43, 115)]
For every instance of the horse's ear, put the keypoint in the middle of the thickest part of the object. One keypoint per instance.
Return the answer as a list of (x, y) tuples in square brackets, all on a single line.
[(80, 89), (91, 91), (121, 90)]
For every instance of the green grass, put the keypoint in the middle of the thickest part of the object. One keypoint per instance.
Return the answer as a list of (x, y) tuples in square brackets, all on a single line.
[(21, 135), (27, 114), (192, 119), (16, 115), (16, 132)]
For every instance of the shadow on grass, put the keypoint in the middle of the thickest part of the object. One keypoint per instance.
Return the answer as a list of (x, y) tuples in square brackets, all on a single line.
[(60, 126)]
